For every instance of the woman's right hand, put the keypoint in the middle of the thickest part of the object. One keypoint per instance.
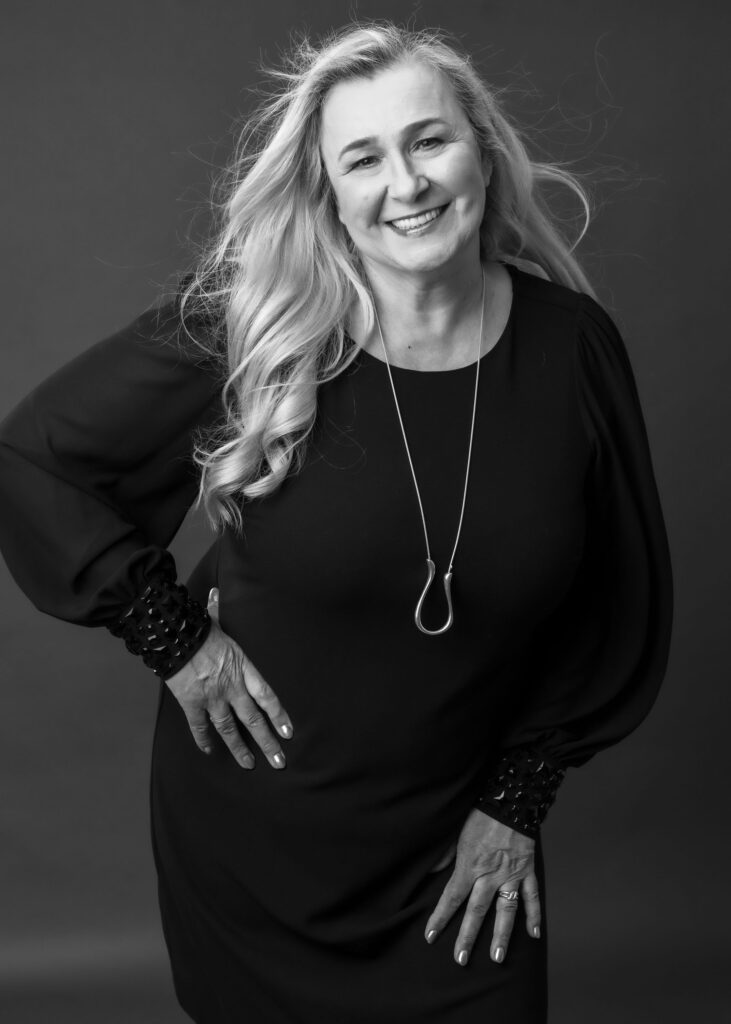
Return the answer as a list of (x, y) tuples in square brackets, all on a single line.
[(220, 685)]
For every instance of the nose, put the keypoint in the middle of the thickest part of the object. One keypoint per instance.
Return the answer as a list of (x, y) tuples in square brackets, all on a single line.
[(405, 183)]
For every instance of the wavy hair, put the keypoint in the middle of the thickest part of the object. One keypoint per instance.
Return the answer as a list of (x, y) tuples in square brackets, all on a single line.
[(280, 272)]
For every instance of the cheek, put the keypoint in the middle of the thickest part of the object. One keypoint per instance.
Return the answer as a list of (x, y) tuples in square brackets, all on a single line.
[(468, 182), (358, 209)]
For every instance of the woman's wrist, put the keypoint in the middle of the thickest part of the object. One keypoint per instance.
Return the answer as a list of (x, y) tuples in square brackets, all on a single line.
[(164, 625), (520, 790)]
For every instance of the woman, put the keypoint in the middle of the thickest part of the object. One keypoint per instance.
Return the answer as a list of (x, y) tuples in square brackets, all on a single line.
[(442, 570)]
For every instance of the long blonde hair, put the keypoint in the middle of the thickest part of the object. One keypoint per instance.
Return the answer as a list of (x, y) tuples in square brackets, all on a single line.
[(280, 273)]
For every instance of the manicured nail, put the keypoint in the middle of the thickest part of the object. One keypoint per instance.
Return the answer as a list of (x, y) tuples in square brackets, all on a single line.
[(279, 760), (431, 935), (536, 931), (462, 958), (286, 730), (499, 954)]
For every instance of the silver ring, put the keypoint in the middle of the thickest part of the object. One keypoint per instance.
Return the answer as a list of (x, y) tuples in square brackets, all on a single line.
[(508, 894)]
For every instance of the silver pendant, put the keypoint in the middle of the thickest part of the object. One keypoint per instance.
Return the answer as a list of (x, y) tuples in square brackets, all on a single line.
[(448, 592), (429, 561)]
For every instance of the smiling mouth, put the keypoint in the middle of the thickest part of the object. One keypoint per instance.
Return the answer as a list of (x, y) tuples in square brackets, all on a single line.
[(410, 225)]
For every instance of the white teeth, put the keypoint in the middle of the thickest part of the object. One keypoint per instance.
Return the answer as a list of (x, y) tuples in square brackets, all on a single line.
[(409, 223)]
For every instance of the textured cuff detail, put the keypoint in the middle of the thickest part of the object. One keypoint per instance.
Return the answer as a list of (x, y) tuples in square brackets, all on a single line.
[(520, 790), (165, 626)]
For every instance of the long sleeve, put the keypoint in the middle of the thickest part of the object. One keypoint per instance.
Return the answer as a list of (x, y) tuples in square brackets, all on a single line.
[(95, 468), (596, 665)]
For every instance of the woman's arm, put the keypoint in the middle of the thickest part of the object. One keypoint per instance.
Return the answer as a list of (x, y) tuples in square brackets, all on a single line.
[(597, 664), (96, 473)]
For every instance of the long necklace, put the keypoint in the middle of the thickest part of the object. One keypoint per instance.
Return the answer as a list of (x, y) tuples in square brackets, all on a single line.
[(431, 568)]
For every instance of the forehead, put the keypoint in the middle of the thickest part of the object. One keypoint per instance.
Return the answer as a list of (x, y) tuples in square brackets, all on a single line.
[(380, 106)]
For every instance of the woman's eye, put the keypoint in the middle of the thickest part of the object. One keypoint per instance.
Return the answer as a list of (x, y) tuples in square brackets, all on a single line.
[(429, 143), (363, 162), (366, 162)]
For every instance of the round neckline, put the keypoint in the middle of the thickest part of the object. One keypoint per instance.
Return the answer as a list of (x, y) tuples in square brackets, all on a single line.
[(412, 371)]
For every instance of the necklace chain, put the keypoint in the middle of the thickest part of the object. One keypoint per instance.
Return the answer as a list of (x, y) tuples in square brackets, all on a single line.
[(430, 563)]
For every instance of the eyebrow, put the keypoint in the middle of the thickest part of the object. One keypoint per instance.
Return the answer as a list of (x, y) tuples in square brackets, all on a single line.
[(370, 140)]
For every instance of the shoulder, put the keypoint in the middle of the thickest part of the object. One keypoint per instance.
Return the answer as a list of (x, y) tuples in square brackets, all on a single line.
[(546, 308), (542, 296), (544, 318)]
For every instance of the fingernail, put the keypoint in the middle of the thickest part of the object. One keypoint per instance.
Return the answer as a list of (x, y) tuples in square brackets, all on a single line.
[(462, 958), (249, 761), (431, 935), (286, 730), (207, 750), (499, 954), (279, 760), (536, 931)]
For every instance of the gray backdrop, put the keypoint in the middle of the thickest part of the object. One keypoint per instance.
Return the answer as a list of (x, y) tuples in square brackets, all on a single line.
[(114, 115)]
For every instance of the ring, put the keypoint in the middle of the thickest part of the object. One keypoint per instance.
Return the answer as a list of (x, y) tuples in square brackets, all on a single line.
[(508, 894)]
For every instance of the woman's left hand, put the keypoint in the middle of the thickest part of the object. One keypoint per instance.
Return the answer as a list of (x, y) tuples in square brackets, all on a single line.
[(490, 856)]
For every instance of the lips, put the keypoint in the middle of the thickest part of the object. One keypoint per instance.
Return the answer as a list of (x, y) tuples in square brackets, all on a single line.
[(416, 221)]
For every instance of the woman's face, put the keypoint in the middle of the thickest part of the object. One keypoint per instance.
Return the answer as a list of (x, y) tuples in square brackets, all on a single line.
[(405, 168)]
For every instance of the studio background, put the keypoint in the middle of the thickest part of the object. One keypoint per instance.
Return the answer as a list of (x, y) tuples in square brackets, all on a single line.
[(115, 115)]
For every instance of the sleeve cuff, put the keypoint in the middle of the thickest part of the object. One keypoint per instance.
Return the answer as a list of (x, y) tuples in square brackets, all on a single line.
[(164, 625), (520, 790)]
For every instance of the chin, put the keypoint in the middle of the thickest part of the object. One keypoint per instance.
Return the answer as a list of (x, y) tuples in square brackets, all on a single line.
[(439, 258), (421, 256), (425, 266)]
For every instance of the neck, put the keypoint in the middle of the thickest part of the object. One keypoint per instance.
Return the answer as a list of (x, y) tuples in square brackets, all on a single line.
[(427, 322)]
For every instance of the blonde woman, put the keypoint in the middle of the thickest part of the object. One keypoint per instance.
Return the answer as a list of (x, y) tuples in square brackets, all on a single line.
[(441, 568)]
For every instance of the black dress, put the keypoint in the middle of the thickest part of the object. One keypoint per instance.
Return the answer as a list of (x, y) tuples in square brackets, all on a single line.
[(300, 896)]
